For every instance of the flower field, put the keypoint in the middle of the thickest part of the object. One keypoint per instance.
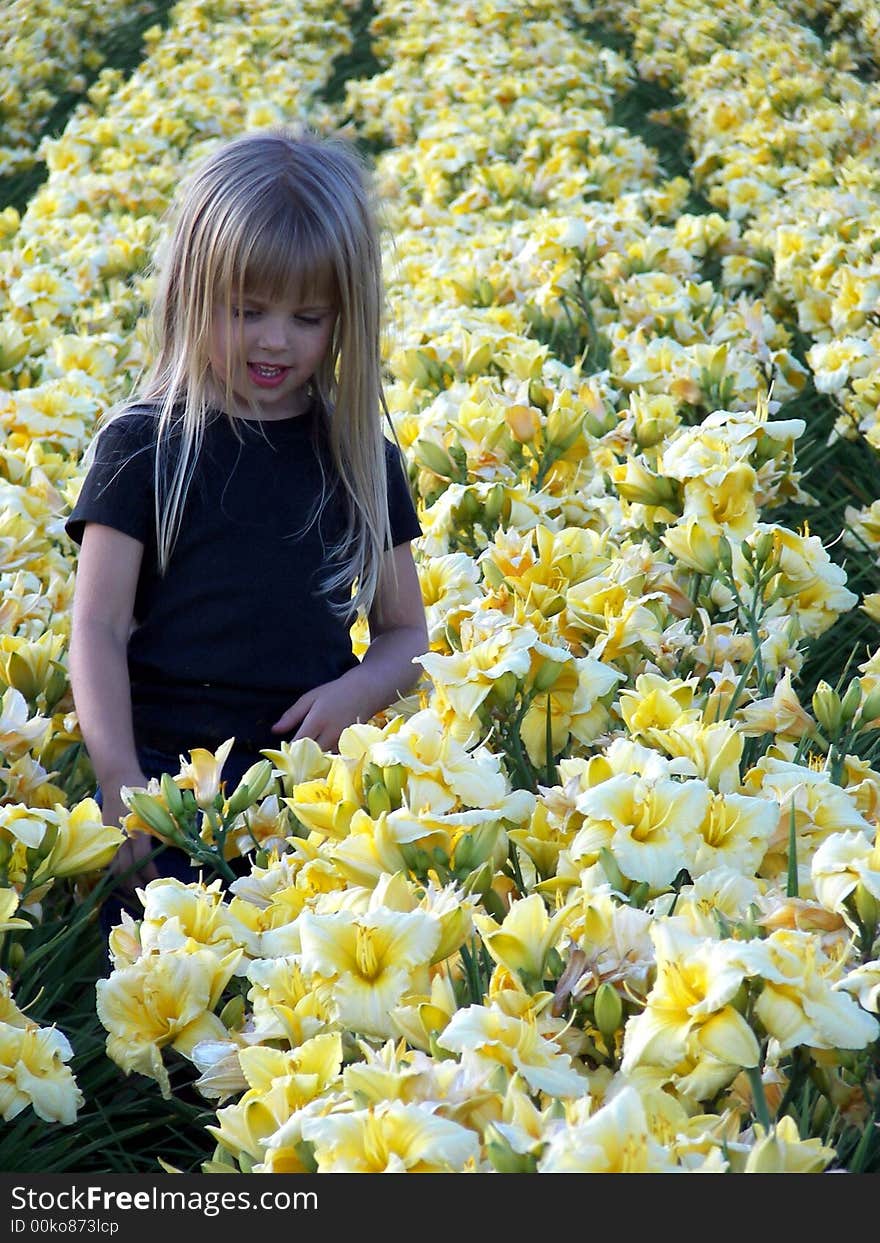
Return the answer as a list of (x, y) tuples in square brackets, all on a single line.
[(603, 893)]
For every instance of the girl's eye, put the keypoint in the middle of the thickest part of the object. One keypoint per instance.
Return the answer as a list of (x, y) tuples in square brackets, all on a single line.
[(311, 320), (243, 312)]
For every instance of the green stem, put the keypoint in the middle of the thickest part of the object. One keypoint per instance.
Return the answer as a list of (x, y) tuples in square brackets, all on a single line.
[(513, 856), (762, 1112)]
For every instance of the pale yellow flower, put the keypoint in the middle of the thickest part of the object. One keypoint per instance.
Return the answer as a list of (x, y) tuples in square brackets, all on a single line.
[(83, 842), (524, 938), (162, 999), (615, 1140), (690, 1015), (34, 1071), (367, 961), (487, 1038), (201, 772), (653, 823), (799, 1003), (390, 1138), (781, 1150)]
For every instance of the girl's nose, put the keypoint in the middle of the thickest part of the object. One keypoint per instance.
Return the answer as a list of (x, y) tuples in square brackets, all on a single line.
[(274, 332)]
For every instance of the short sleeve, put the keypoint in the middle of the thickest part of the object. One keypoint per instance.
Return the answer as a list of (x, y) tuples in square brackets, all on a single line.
[(401, 510), (118, 488)]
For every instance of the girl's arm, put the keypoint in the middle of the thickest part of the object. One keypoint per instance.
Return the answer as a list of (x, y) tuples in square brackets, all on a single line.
[(103, 604), (398, 634)]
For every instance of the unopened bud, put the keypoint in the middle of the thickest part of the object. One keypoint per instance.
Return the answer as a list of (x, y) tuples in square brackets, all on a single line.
[(393, 777), (607, 1011), (868, 909), (378, 800), (638, 895), (171, 792), (151, 811), (503, 689), (548, 675), (479, 881), (827, 709), (616, 878), (871, 707), (232, 1014), (849, 705), (494, 503), (435, 458)]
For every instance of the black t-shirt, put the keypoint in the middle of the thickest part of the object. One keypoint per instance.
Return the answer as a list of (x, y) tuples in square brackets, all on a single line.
[(237, 629)]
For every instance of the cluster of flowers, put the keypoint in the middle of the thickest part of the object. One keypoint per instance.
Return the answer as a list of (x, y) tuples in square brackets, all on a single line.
[(46, 49), (784, 134), (854, 23), (71, 301), (603, 894)]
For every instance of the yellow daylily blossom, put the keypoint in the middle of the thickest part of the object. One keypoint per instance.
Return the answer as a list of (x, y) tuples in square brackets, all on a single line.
[(368, 961), (689, 1012), (487, 1038), (615, 1140), (83, 842), (390, 1138), (653, 823), (326, 804), (34, 1071), (524, 938), (799, 1003), (782, 1151), (162, 999), (201, 773)]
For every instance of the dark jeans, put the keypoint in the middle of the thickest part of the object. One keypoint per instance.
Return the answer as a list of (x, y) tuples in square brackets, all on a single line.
[(169, 861)]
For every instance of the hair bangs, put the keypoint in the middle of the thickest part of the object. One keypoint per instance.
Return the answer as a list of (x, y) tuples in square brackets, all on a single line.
[(291, 256)]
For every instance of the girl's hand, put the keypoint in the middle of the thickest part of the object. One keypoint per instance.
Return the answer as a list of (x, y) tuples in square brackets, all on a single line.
[(324, 712), (132, 863)]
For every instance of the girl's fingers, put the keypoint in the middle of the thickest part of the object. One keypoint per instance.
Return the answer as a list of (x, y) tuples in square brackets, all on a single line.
[(291, 717)]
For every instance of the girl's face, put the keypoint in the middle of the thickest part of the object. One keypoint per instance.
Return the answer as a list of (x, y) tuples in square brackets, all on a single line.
[(270, 350)]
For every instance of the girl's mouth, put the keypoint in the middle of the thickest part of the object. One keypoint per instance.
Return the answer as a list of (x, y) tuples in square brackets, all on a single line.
[(266, 375)]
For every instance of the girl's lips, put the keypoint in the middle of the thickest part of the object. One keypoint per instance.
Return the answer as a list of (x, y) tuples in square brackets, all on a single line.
[(264, 375)]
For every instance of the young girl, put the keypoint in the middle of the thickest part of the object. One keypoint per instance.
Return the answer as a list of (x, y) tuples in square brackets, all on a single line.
[(245, 504)]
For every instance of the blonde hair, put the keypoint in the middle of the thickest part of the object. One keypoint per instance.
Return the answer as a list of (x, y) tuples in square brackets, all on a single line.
[(271, 213)]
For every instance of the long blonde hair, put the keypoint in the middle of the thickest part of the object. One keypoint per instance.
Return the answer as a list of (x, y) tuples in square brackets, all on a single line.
[(271, 212)]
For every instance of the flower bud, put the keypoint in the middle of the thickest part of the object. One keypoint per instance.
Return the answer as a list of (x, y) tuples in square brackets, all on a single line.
[(503, 689), (607, 1011), (503, 1157), (232, 1014), (868, 910), (151, 811), (479, 881), (827, 709), (393, 777), (871, 709), (849, 705), (763, 547), (172, 794), (435, 458), (468, 508), (616, 878), (548, 675), (638, 895), (378, 800), (524, 423), (493, 504)]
